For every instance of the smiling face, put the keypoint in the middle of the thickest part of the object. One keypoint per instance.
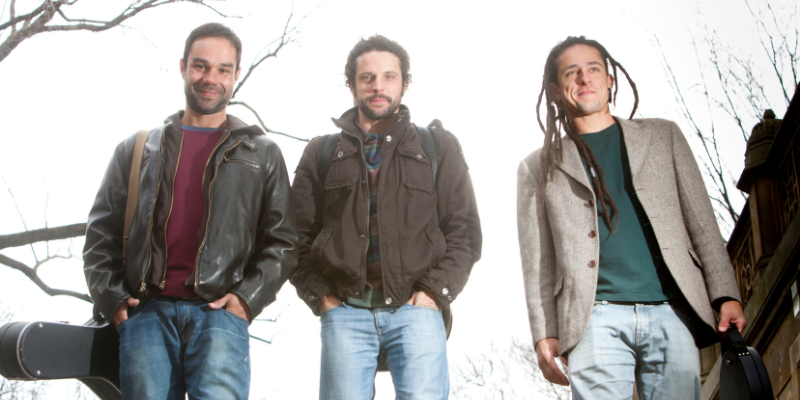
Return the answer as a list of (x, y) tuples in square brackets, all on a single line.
[(210, 73), (378, 87), (583, 81)]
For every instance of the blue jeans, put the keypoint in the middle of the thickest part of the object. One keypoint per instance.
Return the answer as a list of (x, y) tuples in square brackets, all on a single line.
[(651, 344), (171, 347), (412, 339)]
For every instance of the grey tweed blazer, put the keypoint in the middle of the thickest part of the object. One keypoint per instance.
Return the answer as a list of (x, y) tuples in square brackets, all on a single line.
[(559, 256)]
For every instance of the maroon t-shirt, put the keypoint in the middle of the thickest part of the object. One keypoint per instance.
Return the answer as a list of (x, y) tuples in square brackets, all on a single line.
[(186, 216)]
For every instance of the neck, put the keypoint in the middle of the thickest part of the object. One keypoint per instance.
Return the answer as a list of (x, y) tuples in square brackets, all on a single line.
[(193, 118), (379, 126), (592, 123)]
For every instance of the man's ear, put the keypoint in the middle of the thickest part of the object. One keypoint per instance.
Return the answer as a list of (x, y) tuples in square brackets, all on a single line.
[(405, 89), (238, 71), (554, 91), (183, 68)]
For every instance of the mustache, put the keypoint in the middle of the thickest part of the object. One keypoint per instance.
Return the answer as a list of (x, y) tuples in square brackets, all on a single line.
[(379, 96), (206, 87)]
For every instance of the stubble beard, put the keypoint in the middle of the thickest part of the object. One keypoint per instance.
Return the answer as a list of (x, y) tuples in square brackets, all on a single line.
[(193, 99), (363, 106)]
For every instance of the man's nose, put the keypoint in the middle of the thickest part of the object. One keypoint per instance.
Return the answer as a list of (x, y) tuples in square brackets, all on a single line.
[(582, 78), (378, 85)]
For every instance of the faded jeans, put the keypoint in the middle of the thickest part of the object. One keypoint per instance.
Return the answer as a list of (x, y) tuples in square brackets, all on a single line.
[(412, 338), (649, 344), (170, 347)]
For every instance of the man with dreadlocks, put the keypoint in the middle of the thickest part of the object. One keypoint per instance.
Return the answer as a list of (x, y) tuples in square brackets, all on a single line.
[(623, 262)]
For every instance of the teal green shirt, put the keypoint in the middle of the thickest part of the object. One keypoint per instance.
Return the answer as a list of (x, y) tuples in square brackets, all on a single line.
[(631, 267)]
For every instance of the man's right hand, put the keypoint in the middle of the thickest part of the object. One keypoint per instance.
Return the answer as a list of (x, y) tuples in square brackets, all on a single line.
[(546, 353), (122, 311), (328, 301)]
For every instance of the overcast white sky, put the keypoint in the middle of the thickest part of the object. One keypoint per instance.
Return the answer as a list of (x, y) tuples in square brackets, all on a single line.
[(69, 98)]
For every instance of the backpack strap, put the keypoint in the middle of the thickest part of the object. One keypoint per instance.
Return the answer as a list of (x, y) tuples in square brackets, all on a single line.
[(133, 188), (430, 143), (325, 155)]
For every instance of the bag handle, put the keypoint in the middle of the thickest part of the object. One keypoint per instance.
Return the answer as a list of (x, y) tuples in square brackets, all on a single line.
[(133, 189)]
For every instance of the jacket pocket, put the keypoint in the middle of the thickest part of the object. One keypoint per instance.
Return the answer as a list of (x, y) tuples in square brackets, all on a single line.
[(319, 242), (344, 167), (241, 161), (416, 168), (695, 259), (436, 239), (558, 286)]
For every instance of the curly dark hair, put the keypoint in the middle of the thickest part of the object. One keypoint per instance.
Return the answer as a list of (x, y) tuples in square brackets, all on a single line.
[(376, 43), (213, 29), (551, 155)]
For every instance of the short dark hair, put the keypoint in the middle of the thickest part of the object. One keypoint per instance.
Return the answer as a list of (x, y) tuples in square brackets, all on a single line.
[(377, 43), (213, 29)]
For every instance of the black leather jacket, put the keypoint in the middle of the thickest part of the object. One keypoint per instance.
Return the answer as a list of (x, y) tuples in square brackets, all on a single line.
[(248, 238)]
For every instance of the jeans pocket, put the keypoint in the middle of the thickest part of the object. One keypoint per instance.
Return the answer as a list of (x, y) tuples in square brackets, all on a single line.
[(133, 313)]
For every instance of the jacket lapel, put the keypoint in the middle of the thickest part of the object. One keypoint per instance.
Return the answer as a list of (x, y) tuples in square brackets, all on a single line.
[(637, 142), (572, 164)]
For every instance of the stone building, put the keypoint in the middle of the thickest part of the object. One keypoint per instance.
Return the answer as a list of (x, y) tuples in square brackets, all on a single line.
[(765, 252)]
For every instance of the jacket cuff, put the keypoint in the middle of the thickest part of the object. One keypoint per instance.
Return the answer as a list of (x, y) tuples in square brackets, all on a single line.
[(312, 293), (438, 286)]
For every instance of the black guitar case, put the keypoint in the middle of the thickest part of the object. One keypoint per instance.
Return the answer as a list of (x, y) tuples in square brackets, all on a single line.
[(51, 350), (742, 375)]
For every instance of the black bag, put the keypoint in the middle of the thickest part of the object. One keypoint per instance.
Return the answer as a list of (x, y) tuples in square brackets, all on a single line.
[(52, 350), (742, 375)]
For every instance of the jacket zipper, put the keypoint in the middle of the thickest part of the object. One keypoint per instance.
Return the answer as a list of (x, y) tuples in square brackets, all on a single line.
[(152, 212), (166, 224), (367, 234), (210, 188), (252, 163)]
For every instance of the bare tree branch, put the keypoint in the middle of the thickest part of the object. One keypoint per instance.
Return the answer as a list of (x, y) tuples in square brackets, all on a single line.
[(261, 122), (41, 235), (34, 277), (38, 20)]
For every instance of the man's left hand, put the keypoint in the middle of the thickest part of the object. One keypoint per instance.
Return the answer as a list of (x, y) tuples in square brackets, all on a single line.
[(424, 299), (730, 313), (234, 304)]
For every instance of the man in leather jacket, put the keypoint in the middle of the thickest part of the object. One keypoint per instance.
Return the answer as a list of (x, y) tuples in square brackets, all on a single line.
[(212, 240), (384, 246)]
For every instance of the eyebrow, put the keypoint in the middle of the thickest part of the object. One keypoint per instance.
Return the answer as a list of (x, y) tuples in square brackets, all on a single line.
[(203, 60), (576, 65)]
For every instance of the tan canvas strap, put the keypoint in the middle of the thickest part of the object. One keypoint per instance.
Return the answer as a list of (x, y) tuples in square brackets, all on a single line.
[(133, 188)]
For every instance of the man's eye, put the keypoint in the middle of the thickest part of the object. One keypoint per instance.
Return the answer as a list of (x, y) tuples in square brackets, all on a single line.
[(200, 66)]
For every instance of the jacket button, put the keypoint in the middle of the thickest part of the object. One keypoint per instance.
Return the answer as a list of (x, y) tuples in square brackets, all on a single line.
[(311, 297), (591, 202), (449, 298), (388, 300), (388, 139), (445, 291), (362, 235), (419, 156), (592, 234), (357, 293), (252, 145), (592, 264)]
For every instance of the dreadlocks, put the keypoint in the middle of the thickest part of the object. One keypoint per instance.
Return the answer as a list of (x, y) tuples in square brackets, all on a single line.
[(552, 149)]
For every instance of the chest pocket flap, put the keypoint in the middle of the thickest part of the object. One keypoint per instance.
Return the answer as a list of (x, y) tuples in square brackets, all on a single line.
[(344, 166), (416, 168)]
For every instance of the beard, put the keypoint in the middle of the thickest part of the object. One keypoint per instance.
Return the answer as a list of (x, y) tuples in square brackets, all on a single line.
[(363, 106), (193, 100)]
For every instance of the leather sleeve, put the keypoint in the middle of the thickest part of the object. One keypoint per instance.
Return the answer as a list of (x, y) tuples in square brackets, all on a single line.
[(698, 216), (458, 221), (102, 251), (308, 195), (537, 251), (275, 254)]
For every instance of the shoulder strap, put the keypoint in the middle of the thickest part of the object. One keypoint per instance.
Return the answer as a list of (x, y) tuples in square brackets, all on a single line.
[(133, 188), (430, 143), (325, 155)]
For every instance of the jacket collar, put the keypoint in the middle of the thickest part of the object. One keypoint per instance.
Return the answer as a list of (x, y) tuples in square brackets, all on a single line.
[(637, 142), (347, 122), (238, 128)]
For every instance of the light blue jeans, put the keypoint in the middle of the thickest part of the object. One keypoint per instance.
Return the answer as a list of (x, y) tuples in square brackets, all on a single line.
[(649, 344), (411, 338), (171, 347)]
